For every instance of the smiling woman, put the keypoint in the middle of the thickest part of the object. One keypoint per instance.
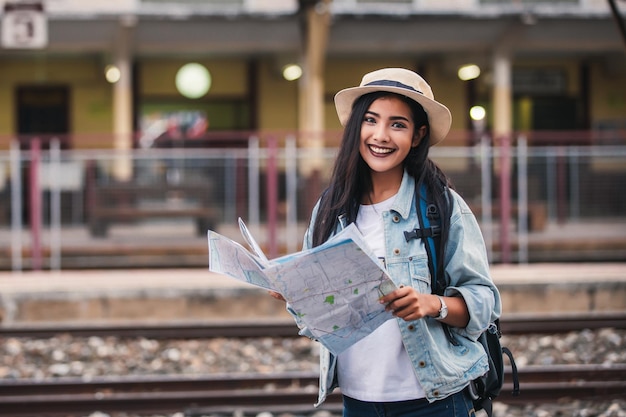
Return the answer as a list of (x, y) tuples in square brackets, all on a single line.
[(379, 178)]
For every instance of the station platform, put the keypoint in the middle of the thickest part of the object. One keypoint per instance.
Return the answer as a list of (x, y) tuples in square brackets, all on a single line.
[(174, 244), (196, 294)]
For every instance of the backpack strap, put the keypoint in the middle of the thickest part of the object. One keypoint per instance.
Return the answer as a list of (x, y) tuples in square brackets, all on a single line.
[(431, 235), (514, 374)]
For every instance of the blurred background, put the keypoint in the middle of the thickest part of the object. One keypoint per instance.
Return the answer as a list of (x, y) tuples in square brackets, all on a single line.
[(130, 127)]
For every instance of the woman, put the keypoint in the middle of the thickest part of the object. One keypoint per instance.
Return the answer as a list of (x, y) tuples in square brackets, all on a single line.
[(413, 365)]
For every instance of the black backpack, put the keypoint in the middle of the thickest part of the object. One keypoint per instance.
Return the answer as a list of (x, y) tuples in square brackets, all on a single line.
[(486, 388)]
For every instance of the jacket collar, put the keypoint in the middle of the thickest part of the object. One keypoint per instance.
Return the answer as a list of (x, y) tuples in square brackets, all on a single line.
[(404, 200), (401, 204)]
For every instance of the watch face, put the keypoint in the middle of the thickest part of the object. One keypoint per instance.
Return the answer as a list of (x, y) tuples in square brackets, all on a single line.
[(443, 311)]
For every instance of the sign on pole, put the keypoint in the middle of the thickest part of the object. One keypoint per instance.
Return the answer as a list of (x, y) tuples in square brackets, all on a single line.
[(24, 25)]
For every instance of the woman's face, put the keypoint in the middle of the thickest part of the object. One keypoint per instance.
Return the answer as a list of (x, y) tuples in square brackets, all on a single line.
[(388, 134)]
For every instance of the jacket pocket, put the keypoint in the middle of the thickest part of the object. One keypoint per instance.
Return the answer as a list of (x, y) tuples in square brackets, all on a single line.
[(415, 268)]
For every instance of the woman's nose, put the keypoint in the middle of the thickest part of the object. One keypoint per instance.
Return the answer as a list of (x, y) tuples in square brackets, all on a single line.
[(381, 134)]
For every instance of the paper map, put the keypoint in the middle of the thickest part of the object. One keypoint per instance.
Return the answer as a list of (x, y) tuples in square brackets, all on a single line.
[(333, 288)]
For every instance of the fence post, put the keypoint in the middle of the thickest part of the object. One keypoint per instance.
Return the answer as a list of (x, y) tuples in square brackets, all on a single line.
[(55, 205), (272, 196), (230, 187), (35, 203), (522, 199), (16, 207), (253, 183), (505, 198), (574, 178), (561, 202), (551, 176), (291, 178), (485, 195)]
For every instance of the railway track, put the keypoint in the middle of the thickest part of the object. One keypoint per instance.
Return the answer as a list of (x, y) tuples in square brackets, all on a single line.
[(511, 325), (221, 394), (214, 394)]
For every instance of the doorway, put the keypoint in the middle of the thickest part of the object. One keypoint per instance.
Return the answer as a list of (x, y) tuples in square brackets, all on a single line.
[(43, 112)]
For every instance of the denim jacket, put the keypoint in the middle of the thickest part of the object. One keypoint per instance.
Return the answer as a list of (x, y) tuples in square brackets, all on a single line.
[(442, 368)]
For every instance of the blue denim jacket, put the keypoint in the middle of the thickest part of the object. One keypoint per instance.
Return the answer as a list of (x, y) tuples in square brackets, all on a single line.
[(441, 367)]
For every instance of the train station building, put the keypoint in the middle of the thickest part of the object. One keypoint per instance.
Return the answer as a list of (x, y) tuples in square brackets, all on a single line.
[(106, 73), (126, 76)]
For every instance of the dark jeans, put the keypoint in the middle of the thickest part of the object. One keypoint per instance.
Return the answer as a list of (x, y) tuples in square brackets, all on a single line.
[(456, 405)]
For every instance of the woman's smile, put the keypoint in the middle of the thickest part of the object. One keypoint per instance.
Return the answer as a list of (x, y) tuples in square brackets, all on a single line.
[(377, 150)]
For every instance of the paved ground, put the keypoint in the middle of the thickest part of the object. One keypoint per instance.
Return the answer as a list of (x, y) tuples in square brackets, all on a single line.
[(97, 281)]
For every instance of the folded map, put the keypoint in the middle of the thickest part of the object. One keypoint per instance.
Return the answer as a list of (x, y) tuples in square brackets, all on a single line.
[(333, 289)]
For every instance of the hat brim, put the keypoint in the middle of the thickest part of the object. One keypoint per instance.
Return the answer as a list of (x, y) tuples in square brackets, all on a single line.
[(439, 117)]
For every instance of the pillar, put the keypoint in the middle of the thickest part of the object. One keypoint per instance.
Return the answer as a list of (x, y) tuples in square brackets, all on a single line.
[(123, 102)]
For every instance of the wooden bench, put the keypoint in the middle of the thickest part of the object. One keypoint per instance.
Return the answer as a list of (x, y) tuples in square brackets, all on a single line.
[(130, 202), (537, 214)]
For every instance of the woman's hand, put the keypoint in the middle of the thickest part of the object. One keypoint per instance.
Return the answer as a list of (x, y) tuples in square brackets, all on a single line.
[(408, 304), (276, 295)]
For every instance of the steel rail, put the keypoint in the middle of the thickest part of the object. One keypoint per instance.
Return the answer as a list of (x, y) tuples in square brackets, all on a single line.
[(510, 325), (157, 383), (561, 323), (265, 391)]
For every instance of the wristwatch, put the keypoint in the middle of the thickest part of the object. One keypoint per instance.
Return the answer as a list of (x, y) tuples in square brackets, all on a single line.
[(443, 311)]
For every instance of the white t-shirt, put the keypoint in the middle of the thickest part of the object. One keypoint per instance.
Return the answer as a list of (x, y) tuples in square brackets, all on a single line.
[(377, 368)]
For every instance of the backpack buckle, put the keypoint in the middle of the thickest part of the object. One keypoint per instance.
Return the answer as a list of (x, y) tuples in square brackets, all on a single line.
[(431, 231)]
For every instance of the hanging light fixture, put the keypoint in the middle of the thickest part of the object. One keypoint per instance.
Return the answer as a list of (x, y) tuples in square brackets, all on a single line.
[(193, 80), (292, 72), (112, 74), (468, 72)]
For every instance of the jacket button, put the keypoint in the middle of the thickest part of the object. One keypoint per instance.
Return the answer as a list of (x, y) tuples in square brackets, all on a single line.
[(436, 393), (396, 251), (396, 219), (411, 327), (422, 364)]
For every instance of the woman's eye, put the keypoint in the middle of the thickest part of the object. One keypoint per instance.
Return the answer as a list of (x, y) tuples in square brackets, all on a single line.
[(369, 120), (398, 125)]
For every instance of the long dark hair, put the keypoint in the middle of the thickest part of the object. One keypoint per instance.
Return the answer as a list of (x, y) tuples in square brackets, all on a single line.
[(351, 178)]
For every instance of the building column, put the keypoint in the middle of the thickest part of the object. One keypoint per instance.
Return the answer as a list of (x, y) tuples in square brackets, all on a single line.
[(502, 95), (316, 20), (502, 135), (123, 102)]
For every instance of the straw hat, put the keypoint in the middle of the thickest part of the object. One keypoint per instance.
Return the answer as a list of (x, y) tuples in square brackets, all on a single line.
[(403, 82)]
